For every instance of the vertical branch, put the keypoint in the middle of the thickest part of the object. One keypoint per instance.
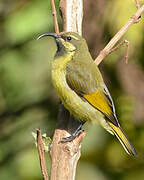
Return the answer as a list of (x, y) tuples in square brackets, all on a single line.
[(41, 155), (72, 15), (66, 155), (54, 13)]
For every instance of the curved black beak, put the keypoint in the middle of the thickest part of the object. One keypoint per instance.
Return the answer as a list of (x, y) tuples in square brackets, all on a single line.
[(49, 34)]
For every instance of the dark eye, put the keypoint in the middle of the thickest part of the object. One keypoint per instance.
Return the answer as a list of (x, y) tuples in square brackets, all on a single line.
[(69, 38)]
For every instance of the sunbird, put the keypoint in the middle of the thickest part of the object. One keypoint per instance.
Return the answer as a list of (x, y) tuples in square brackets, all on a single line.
[(81, 88)]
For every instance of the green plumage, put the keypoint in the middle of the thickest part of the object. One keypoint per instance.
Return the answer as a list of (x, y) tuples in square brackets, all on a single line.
[(80, 85), (83, 79)]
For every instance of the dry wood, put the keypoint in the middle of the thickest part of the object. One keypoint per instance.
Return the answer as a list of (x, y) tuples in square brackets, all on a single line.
[(64, 155), (72, 15), (134, 19), (119, 45), (137, 4), (54, 13), (41, 155)]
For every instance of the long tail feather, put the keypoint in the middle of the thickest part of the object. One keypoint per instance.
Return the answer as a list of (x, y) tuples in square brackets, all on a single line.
[(123, 139)]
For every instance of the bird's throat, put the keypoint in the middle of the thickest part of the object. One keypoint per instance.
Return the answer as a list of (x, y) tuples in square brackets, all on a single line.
[(59, 71)]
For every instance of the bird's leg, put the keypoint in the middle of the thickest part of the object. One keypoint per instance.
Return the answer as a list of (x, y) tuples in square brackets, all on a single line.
[(76, 132)]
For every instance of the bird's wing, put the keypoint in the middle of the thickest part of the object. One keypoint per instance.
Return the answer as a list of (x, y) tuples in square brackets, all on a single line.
[(86, 85), (84, 81)]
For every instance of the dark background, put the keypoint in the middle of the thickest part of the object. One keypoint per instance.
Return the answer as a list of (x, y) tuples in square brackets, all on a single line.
[(28, 100)]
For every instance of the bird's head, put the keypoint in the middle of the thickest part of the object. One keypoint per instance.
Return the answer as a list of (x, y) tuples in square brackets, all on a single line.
[(67, 42)]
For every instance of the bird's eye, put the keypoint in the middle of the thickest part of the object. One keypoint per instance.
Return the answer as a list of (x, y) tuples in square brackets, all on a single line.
[(69, 38)]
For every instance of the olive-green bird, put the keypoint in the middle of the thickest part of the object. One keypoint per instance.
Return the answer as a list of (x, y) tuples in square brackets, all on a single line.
[(81, 88)]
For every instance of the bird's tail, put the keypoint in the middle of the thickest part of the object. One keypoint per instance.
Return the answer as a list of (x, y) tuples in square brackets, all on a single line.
[(123, 139)]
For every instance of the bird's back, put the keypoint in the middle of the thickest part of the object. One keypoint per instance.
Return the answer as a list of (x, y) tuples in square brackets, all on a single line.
[(83, 74)]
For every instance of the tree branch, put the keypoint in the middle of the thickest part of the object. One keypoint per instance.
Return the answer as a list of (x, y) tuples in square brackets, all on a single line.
[(41, 155), (54, 13), (119, 45), (66, 155), (134, 19), (72, 15), (137, 4)]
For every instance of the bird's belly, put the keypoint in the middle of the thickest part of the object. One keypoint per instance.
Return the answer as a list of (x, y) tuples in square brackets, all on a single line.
[(79, 108)]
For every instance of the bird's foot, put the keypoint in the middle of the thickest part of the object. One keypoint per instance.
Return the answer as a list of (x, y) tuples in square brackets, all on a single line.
[(72, 137)]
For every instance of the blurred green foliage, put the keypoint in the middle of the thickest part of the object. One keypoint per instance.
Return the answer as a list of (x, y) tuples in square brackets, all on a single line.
[(28, 100)]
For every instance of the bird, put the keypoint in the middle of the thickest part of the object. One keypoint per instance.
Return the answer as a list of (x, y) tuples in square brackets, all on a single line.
[(81, 88)]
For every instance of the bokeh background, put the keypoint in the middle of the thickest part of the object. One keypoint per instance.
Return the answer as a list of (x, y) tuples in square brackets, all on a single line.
[(28, 100)]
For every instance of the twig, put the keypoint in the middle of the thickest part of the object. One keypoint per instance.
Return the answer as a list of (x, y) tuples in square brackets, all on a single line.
[(54, 13), (134, 19), (41, 155), (119, 45), (137, 4)]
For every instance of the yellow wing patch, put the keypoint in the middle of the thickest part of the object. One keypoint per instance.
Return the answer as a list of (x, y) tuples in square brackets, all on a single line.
[(99, 101)]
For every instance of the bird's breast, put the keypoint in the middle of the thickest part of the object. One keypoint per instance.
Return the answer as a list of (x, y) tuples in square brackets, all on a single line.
[(81, 109)]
